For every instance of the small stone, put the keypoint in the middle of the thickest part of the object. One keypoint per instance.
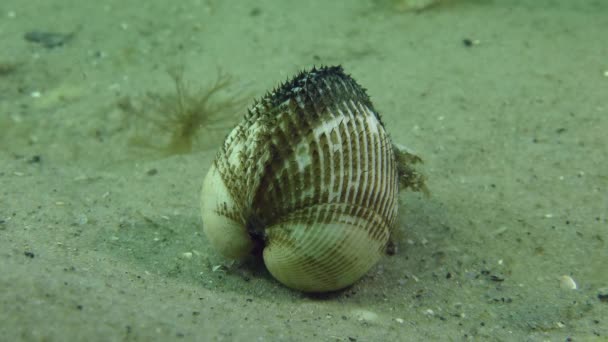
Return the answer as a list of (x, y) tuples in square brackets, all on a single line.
[(82, 219), (187, 255), (364, 315), (470, 42), (567, 283), (48, 39), (602, 295)]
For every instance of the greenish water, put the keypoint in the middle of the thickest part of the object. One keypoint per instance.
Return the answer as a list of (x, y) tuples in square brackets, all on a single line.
[(505, 101)]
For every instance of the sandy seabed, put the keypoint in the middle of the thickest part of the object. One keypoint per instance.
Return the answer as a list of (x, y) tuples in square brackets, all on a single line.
[(506, 102)]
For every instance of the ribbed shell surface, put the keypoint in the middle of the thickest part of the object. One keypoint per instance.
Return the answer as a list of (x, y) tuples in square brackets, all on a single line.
[(312, 173)]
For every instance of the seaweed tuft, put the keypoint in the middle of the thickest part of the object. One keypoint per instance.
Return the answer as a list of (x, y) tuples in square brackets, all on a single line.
[(173, 123)]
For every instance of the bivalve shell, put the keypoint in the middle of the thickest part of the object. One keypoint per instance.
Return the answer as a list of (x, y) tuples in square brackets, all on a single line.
[(311, 177)]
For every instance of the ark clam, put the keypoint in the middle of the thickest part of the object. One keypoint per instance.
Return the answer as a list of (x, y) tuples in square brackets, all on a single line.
[(310, 177)]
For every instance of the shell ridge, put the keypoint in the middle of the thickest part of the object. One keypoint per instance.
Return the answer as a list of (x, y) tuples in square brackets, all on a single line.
[(353, 150), (373, 136), (367, 169), (316, 214), (382, 199), (390, 179)]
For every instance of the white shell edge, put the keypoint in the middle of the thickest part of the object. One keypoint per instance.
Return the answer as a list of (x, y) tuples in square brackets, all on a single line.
[(227, 236)]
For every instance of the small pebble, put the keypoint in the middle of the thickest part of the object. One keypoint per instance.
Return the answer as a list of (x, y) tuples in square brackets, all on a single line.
[(48, 39), (470, 42), (82, 219), (364, 315), (35, 159), (602, 295), (567, 283), (187, 255)]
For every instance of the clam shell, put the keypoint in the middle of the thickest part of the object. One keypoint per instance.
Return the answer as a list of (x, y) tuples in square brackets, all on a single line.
[(310, 175)]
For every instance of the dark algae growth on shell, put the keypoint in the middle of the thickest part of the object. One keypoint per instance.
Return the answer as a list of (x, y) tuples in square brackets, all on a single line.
[(319, 89)]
